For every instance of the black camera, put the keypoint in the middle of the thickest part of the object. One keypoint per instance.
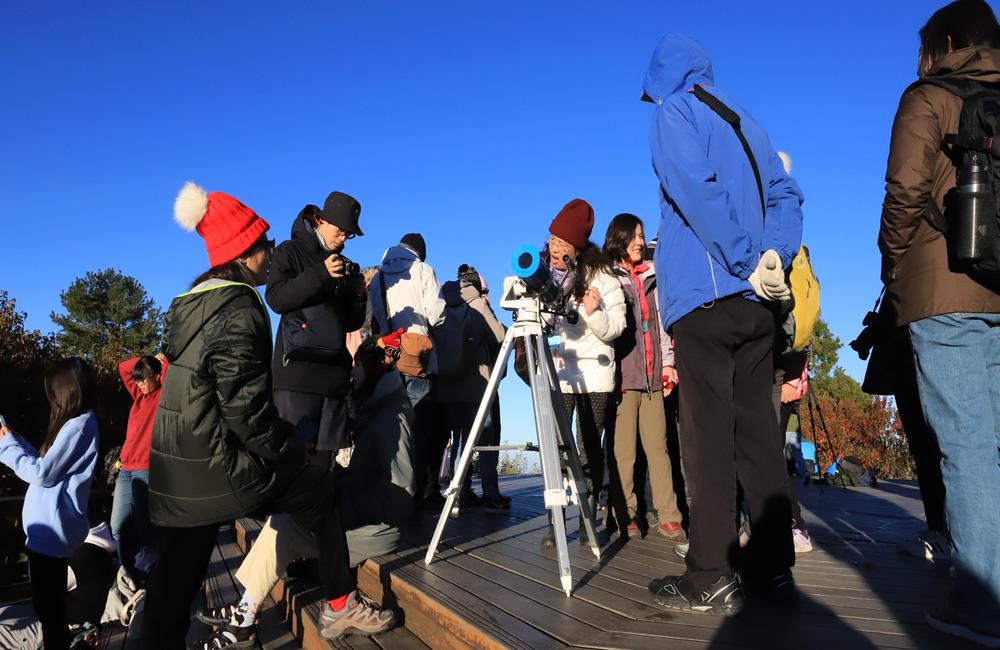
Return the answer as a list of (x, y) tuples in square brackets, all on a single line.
[(870, 334), (351, 269)]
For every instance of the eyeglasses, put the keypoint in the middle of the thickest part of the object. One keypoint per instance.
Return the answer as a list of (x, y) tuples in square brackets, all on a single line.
[(555, 242)]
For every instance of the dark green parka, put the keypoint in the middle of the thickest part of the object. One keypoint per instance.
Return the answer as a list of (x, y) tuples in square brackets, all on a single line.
[(217, 436)]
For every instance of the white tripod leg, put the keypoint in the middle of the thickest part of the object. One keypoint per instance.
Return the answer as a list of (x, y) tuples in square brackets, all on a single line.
[(548, 445), (477, 427)]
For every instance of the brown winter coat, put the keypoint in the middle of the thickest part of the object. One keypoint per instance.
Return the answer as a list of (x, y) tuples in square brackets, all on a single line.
[(914, 255)]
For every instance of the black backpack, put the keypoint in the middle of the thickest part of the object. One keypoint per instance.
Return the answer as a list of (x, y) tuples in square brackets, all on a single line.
[(970, 220)]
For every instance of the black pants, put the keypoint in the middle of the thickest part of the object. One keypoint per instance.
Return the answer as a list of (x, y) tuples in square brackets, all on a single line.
[(782, 415), (318, 420), (48, 595), (923, 446), (595, 443), (728, 432), (184, 554)]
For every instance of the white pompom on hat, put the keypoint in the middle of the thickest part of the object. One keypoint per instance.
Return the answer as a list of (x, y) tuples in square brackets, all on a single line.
[(228, 227)]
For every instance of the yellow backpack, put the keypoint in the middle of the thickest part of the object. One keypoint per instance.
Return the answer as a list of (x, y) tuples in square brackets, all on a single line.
[(805, 292)]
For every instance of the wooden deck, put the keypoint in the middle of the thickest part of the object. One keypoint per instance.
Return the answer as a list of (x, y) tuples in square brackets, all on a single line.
[(491, 586), (857, 591)]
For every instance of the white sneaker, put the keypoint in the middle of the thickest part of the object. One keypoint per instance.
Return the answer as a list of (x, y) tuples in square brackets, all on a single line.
[(803, 544), (928, 545)]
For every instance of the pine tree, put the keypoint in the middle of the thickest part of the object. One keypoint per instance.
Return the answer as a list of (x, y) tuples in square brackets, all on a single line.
[(109, 317)]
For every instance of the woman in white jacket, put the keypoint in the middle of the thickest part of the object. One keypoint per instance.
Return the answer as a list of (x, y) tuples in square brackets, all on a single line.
[(583, 352)]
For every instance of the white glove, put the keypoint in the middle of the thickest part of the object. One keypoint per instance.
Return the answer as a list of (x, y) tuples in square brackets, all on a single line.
[(768, 279)]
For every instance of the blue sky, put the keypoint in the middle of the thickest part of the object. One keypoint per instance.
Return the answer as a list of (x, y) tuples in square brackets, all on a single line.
[(472, 123)]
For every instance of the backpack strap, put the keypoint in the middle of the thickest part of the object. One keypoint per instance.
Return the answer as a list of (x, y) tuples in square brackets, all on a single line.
[(385, 300), (733, 119)]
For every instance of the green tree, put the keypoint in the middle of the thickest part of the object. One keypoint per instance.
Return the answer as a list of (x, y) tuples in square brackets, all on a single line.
[(109, 317), (19, 346), (828, 378)]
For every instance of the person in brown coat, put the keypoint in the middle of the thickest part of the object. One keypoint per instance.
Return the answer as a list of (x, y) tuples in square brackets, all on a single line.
[(954, 322)]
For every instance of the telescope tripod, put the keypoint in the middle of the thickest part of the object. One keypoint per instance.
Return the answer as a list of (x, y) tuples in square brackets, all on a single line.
[(555, 437)]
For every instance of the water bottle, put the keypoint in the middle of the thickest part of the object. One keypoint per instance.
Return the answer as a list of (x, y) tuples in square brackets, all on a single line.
[(974, 228)]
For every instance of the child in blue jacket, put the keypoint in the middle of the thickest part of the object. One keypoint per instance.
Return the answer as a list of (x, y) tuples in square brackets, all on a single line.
[(58, 476)]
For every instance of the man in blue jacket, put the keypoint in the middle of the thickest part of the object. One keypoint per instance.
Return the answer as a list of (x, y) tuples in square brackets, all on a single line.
[(729, 227)]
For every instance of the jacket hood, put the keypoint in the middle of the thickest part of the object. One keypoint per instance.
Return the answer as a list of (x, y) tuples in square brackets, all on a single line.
[(303, 231), (679, 62), (398, 259), (451, 291), (190, 311), (976, 63)]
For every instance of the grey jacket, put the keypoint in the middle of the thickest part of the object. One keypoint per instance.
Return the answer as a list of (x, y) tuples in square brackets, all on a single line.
[(630, 347)]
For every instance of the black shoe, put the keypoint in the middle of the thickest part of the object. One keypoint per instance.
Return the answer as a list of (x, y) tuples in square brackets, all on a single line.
[(549, 539), (723, 598), (496, 505), (469, 500), (217, 616), (950, 621), (779, 590), (228, 636)]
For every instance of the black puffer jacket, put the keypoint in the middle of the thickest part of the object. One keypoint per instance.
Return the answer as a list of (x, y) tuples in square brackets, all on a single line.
[(217, 437), (298, 278)]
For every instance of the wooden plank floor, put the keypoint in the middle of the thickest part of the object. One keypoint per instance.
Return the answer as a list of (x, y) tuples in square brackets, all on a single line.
[(857, 591)]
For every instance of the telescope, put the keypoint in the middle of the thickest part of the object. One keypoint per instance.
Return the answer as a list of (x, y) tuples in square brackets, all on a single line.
[(537, 282)]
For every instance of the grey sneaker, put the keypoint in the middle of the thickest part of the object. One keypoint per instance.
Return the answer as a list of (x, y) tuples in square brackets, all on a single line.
[(361, 616), (928, 545)]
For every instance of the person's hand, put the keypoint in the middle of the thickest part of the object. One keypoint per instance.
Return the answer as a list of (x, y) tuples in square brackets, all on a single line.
[(768, 279), (334, 266), (591, 301), (159, 357), (670, 380), (5, 430)]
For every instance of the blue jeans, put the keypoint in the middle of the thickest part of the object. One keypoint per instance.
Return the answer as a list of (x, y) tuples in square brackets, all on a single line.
[(130, 515), (958, 377)]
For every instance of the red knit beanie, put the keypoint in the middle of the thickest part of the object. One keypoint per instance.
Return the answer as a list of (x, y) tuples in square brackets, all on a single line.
[(228, 227), (574, 223)]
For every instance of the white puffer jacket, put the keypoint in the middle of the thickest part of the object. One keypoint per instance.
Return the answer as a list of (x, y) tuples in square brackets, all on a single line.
[(585, 357)]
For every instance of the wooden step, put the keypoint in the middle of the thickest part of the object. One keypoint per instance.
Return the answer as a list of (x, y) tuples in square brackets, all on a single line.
[(300, 602)]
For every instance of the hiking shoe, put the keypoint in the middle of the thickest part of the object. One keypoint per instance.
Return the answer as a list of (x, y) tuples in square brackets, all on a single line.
[(217, 616), (633, 529), (673, 531), (723, 598), (949, 621), (361, 616), (681, 550), (228, 636), (779, 590), (803, 543), (496, 505), (928, 545), (470, 500)]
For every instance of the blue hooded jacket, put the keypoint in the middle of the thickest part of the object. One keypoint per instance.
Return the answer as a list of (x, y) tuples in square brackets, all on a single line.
[(711, 233)]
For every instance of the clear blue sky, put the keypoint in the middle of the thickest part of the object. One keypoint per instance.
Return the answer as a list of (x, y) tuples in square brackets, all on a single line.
[(472, 123)]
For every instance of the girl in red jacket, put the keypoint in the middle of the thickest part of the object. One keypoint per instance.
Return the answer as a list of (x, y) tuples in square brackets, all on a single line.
[(143, 378)]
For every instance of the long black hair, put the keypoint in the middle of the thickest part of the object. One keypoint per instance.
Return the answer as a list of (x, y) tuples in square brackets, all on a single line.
[(621, 230), (967, 23), (71, 388), (590, 261)]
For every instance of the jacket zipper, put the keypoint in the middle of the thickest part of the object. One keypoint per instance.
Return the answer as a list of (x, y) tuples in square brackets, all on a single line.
[(715, 286)]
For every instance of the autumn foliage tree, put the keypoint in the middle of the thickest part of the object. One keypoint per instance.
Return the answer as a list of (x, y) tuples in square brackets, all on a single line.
[(838, 414)]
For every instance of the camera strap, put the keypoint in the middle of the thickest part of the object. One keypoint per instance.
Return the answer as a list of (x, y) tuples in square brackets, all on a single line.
[(733, 119)]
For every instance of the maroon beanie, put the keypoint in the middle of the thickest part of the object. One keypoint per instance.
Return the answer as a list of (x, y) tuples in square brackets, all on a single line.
[(574, 223)]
